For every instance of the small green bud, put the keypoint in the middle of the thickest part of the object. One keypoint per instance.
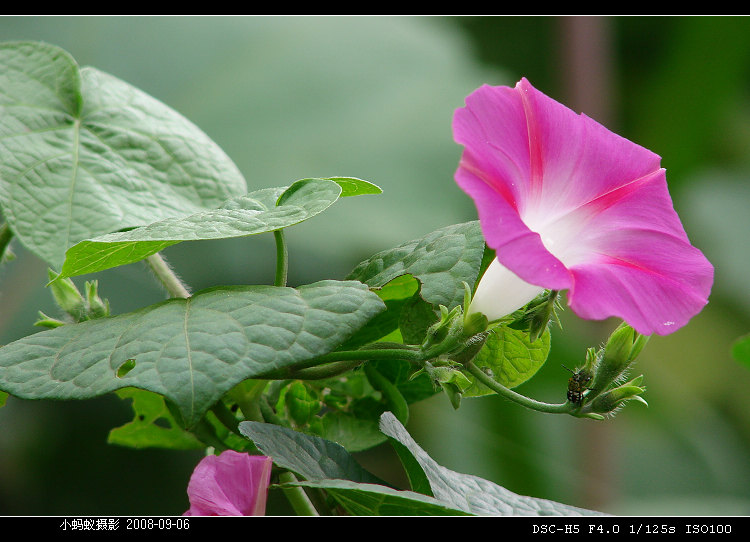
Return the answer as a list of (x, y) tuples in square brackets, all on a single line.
[(67, 296), (471, 348), (610, 401), (638, 345), (535, 316), (96, 307), (541, 315), (622, 347), (620, 344), (448, 328), (454, 394), (451, 380)]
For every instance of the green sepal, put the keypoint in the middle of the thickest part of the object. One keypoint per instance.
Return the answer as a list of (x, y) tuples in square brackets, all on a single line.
[(48, 322), (67, 296)]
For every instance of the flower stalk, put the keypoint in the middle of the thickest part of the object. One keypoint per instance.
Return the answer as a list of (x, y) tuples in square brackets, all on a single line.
[(166, 275), (296, 495), (282, 259)]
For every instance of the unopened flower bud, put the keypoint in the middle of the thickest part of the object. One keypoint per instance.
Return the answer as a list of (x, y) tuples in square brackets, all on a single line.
[(67, 296), (611, 400), (622, 348), (96, 307), (451, 380), (449, 326)]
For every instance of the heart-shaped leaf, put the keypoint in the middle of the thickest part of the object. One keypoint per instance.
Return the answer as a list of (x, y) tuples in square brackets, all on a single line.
[(261, 211), (83, 153), (511, 358), (469, 493), (310, 456), (377, 500), (441, 260), (191, 351)]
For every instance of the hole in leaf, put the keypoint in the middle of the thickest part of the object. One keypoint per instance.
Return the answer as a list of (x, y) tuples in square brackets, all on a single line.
[(126, 367)]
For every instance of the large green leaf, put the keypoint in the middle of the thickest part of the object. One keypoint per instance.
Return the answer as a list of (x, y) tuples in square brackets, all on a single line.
[(261, 211), (441, 260), (192, 350), (83, 153), (469, 493), (377, 500), (510, 357), (310, 456)]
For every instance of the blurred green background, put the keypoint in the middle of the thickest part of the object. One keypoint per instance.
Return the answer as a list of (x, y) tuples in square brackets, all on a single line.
[(373, 97)]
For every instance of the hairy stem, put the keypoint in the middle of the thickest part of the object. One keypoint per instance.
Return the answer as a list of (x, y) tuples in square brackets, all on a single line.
[(561, 408), (167, 276)]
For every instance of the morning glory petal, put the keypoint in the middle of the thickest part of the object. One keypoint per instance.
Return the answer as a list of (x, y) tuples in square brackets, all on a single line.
[(229, 484), (569, 205)]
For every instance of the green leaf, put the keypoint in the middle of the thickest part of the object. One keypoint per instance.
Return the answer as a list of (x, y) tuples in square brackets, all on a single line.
[(192, 350), (83, 153), (401, 373), (469, 493), (3, 398), (376, 500), (510, 357), (153, 426), (395, 294), (354, 434), (310, 456), (442, 261), (351, 186), (415, 319), (258, 212)]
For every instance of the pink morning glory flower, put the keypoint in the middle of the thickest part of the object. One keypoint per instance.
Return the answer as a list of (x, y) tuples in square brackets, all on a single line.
[(229, 484), (569, 205)]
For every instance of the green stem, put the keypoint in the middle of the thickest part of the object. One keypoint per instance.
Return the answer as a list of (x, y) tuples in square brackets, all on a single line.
[(226, 417), (561, 408), (282, 259), (352, 356), (5, 236), (247, 396), (296, 495), (328, 370), (269, 416), (207, 435), (167, 276)]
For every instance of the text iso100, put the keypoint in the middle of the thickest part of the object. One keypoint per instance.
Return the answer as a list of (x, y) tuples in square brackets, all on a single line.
[(161, 524), (695, 528)]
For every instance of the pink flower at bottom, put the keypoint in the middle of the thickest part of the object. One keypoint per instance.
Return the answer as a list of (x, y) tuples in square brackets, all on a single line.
[(229, 484), (568, 205)]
